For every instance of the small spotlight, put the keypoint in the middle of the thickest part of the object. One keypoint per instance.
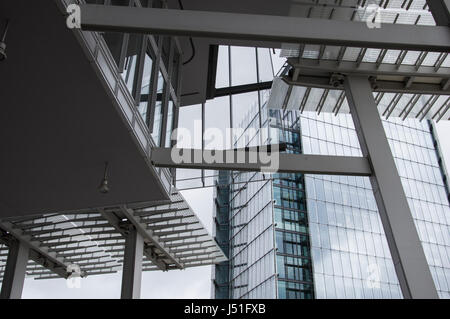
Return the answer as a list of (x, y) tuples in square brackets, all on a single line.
[(2, 51), (3, 43), (104, 188)]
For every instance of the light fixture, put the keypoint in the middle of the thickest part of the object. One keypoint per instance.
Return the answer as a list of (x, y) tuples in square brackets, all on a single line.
[(3, 43), (104, 188)]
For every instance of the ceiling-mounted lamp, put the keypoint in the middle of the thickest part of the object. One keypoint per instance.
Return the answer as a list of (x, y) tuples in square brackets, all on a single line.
[(3, 42), (104, 188)]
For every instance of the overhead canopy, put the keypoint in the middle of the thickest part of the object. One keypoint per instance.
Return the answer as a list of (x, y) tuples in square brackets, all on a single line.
[(92, 239), (301, 97), (60, 121)]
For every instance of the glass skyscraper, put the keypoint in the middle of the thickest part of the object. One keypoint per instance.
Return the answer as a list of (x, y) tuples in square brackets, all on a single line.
[(302, 236)]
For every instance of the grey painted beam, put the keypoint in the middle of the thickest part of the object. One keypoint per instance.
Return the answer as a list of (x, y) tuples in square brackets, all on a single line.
[(263, 27), (132, 264), (149, 236), (245, 88), (287, 163), (117, 224), (367, 68), (39, 252), (323, 81), (15, 270), (406, 249), (440, 9)]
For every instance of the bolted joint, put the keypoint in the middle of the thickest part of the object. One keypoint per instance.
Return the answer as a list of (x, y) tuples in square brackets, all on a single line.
[(337, 80), (6, 238), (126, 226), (3, 55), (373, 82)]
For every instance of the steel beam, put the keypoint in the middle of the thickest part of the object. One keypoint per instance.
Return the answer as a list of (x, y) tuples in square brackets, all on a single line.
[(269, 28), (288, 163), (245, 88), (15, 270), (132, 264), (440, 9), (367, 68), (39, 252), (406, 249), (148, 251), (323, 81), (149, 236)]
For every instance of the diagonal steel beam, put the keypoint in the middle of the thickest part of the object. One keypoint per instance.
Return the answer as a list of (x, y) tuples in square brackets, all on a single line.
[(440, 9), (39, 252), (269, 28), (407, 253)]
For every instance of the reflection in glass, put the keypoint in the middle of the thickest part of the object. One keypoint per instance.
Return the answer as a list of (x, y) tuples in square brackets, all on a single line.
[(157, 122), (146, 86)]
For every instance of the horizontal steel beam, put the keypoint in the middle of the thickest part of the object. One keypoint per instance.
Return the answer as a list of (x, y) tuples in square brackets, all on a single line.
[(367, 68), (381, 85), (249, 27), (287, 163)]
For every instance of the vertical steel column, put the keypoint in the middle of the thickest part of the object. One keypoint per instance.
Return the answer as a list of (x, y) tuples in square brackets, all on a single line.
[(440, 9), (404, 244), (137, 87), (132, 264), (15, 270)]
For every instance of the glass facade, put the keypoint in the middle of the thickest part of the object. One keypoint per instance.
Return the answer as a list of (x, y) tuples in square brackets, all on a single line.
[(221, 272), (319, 236), (350, 252)]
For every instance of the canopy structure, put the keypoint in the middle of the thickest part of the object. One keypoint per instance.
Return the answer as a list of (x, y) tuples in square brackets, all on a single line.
[(94, 239), (299, 95)]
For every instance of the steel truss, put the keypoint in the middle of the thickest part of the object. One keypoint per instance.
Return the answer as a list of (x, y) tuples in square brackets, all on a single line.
[(97, 240)]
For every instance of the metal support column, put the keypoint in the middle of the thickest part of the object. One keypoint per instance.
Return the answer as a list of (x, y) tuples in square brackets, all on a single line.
[(15, 270), (132, 264), (406, 249), (440, 9)]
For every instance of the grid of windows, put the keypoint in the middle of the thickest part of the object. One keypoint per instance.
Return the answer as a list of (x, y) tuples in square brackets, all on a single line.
[(149, 66), (252, 246), (350, 253)]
